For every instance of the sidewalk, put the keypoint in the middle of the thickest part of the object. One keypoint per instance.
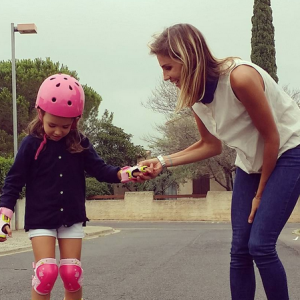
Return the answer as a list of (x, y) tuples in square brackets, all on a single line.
[(20, 241)]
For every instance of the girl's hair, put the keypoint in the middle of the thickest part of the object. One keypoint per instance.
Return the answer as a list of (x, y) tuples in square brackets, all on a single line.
[(185, 44), (73, 138)]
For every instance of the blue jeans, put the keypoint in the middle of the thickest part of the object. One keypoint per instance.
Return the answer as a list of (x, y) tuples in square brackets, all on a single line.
[(257, 241)]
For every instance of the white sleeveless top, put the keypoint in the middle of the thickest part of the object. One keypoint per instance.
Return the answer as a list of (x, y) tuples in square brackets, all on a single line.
[(227, 119)]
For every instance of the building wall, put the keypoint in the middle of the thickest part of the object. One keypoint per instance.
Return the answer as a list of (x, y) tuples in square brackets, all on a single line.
[(186, 188), (140, 206), (215, 186)]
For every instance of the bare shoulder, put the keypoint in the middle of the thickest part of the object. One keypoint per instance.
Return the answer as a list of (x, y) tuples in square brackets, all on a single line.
[(245, 77), (245, 81)]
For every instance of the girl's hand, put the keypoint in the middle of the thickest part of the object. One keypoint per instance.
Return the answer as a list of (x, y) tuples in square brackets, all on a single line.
[(255, 205), (138, 173)]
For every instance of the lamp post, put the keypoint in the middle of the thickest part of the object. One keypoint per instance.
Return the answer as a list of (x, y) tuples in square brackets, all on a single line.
[(23, 29)]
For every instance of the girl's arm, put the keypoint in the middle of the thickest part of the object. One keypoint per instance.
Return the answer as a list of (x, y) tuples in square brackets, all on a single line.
[(248, 86), (16, 177), (95, 166), (13, 184)]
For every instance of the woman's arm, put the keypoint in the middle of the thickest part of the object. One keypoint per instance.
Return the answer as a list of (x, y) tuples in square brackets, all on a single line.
[(207, 147), (248, 86)]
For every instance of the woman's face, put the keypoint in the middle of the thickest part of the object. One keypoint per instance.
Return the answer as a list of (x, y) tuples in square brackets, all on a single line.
[(56, 127), (171, 69)]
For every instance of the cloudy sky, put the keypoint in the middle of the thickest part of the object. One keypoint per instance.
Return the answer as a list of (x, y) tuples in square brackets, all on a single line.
[(105, 41)]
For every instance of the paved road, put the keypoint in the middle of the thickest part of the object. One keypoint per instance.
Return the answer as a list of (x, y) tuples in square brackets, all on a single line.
[(154, 261)]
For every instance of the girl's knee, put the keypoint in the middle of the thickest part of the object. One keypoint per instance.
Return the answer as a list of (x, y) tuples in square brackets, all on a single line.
[(45, 275), (71, 274)]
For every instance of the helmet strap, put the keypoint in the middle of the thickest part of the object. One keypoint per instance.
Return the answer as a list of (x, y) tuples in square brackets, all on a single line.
[(43, 143)]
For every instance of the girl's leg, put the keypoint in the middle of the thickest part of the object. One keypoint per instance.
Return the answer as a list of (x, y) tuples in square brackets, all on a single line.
[(277, 203), (242, 277), (70, 248), (43, 247)]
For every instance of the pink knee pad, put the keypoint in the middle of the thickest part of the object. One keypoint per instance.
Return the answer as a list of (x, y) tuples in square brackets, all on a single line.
[(45, 275), (71, 274)]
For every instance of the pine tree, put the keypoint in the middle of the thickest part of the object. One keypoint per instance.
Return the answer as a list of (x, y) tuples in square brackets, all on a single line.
[(262, 42)]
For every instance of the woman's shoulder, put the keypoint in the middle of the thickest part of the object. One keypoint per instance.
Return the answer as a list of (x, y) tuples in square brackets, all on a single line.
[(244, 65), (245, 75)]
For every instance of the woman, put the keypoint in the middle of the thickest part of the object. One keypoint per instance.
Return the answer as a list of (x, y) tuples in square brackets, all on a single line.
[(238, 103)]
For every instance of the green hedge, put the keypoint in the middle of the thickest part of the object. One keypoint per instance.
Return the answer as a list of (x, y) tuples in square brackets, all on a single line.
[(94, 187), (5, 164)]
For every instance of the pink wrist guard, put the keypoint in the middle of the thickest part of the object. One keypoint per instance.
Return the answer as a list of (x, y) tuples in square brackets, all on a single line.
[(127, 173), (5, 217)]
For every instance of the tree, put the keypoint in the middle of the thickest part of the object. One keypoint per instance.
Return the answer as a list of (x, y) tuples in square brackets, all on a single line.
[(262, 42), (111, 142), (30, 74), (6, 111), (114, 146), (6, 144), (179, 132)]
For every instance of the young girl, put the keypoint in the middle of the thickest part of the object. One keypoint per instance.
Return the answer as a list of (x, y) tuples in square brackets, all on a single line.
[(238, 103), (51, 162)]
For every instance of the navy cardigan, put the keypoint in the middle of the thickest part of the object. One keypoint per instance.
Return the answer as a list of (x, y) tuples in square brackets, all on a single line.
[(55, 182)]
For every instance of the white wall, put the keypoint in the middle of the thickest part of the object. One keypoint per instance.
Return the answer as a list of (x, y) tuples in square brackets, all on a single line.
[(140, 206)]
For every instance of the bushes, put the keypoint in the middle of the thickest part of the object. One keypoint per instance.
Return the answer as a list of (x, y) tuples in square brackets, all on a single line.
[(5, 164), (94, 187)]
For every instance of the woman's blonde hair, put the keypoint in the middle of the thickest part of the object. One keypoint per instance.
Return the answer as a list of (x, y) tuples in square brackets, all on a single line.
[(185, 44), (73, 138)]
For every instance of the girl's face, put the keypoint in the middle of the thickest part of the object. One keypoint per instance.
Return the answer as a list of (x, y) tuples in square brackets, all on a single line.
[(171, 69), (56, 127)]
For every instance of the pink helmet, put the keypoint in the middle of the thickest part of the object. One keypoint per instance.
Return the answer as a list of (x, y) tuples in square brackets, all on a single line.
[(61, 95)]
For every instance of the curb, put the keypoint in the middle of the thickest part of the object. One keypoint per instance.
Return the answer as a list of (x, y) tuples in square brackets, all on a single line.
[(16, 251), (89, 234), (100, 233)]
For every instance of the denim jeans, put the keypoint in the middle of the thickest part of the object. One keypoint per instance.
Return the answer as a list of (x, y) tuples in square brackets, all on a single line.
[(257, 241)]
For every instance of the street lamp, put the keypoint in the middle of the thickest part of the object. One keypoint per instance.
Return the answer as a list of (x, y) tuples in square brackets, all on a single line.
[(23, 29)]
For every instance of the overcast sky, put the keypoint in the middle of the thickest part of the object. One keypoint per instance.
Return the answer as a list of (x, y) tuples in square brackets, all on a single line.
[(105, 41)]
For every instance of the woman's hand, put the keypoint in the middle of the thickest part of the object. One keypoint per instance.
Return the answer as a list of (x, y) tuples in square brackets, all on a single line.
[(154, 168), (255, 205), (145, 175)]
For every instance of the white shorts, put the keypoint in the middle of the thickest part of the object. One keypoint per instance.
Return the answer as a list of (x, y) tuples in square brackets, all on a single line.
[(73, 232)]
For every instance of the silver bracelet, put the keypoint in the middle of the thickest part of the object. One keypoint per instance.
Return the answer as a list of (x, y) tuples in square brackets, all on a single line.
[(171, 161), (162, 161)]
